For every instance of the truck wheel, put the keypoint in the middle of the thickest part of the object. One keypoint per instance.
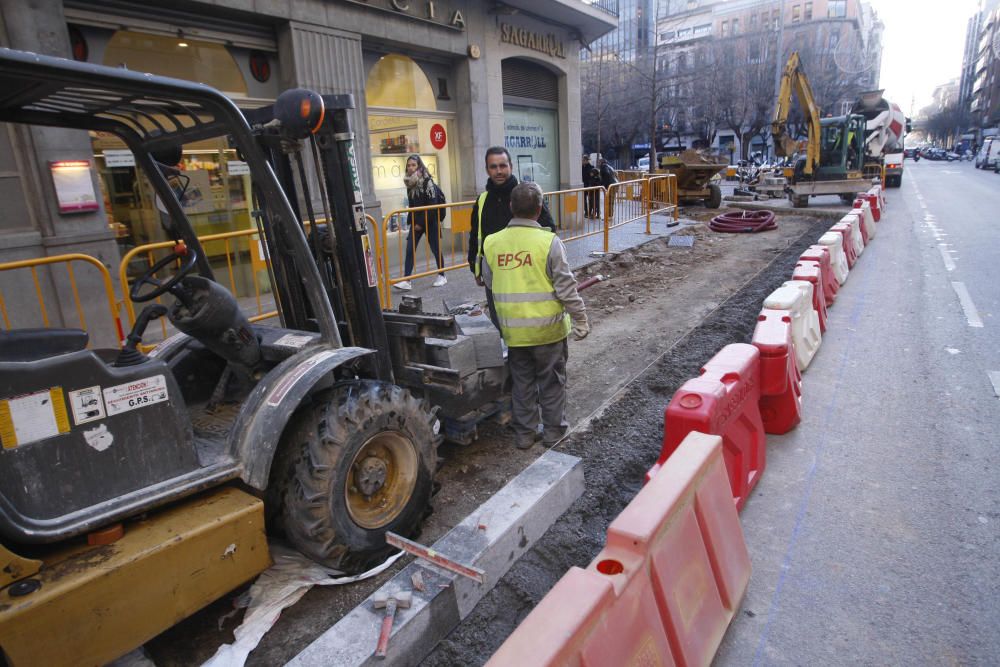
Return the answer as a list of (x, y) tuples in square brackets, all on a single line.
[(714, 196), (359, 461)]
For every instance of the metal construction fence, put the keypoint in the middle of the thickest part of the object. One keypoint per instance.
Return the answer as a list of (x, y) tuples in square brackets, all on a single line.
[(578, 213), (241, 263)]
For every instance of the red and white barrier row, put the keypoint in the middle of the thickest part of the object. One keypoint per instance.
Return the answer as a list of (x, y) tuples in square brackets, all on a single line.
[(675, 565)]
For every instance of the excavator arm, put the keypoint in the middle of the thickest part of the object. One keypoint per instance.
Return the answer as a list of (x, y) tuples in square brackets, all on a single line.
[(794, 78)]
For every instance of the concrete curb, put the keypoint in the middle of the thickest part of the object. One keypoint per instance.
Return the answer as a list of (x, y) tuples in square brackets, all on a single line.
[(493, 537)]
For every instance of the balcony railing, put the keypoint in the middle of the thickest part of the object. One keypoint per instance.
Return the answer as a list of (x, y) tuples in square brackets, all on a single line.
[(606, 6)]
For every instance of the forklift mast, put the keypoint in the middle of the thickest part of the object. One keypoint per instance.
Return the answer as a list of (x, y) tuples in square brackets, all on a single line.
[(309, 143)]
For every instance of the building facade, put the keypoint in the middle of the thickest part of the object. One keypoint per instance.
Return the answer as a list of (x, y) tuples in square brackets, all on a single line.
[(444, 79), (718, 65)]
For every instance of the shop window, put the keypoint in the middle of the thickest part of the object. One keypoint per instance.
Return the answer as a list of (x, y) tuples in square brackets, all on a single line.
[(395, 84), (180, 57), (531, 122), (397, 81)]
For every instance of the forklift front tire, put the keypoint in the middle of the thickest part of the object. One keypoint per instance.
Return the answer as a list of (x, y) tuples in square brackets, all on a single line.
[(359, 461)]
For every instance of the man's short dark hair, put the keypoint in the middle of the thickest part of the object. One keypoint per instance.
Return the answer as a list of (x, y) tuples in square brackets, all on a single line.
[(498, 150), (526, 200)]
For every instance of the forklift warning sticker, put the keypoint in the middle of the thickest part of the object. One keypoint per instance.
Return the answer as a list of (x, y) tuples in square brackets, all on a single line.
[(369, 260), (294, 340), (135, 394), (87, 405), (33, 417)]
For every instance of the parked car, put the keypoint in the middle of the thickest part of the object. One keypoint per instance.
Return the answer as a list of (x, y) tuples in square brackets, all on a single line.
[(989, 155), (643, 163), (939, 154)]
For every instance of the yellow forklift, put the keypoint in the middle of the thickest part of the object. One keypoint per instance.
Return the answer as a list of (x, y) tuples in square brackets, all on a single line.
[(137, 488), (834, 160)]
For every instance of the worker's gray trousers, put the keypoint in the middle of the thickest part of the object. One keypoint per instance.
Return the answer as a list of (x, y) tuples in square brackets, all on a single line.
[(538, 378)]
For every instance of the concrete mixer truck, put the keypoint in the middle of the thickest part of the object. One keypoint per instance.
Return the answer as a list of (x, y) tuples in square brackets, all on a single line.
[(885, 126)]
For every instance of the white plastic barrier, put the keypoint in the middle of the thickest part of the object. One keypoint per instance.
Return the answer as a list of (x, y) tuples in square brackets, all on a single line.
[(880, 193), (864, 209), (858, 241), (796, 297), (838, 260)]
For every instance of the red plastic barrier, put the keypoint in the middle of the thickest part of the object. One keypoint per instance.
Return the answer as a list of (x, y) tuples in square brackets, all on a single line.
[(780, 380), (809, 271), (844, 229), (663, 590), (722, 401), (820, 254), (873, 201)]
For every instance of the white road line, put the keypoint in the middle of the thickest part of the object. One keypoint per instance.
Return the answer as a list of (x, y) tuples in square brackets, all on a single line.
[(949, 263), (971, 314), (995, 379)]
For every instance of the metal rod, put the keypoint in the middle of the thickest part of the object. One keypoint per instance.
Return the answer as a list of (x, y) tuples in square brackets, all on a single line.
[(434, 557)]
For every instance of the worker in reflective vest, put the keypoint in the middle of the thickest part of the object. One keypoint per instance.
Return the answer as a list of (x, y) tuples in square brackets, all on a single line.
[(537, 306), (491, 213)]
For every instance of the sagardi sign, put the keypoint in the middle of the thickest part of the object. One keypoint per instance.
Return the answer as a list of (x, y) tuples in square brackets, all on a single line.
[(548, 44), (429, 11)]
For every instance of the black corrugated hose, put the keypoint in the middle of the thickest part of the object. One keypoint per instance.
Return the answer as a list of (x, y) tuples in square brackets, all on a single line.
[(744, 222)]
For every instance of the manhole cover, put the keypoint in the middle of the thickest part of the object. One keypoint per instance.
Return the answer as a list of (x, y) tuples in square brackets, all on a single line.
[(681, 241)]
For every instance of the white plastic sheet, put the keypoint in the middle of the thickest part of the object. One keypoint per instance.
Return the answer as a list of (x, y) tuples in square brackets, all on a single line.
[(278, 587)]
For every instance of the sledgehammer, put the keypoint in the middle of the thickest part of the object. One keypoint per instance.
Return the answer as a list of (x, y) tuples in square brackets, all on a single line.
[(584, 284), (390, 603)]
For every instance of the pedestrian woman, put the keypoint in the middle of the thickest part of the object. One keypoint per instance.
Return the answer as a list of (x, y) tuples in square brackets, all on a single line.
[(421, 190), (591, 177)]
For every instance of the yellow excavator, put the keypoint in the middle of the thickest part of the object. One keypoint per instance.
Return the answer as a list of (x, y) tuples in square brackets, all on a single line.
[(834, 158)]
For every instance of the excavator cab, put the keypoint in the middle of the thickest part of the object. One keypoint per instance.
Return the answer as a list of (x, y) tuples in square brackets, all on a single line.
[(841, 146)]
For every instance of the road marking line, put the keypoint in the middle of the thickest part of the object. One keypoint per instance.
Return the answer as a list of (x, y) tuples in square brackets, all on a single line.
[(995, 379), (971, 314), (949, 263)]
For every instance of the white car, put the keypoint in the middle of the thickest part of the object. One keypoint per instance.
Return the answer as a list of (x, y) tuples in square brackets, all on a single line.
[(643, 163)]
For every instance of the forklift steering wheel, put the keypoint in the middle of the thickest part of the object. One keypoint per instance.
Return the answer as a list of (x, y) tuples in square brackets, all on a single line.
[(188, 261)]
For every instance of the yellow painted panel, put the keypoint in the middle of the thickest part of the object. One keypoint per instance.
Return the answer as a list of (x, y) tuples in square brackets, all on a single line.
[(461, 220), (102, 602)]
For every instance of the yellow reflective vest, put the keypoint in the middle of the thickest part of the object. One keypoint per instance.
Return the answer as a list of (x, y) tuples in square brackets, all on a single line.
[(525, 300), (480, 203)]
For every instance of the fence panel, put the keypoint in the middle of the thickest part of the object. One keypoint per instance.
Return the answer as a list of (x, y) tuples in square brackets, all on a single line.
[(26, 320)]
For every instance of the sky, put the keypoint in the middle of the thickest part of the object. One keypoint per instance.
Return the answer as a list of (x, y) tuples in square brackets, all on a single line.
[(921, 47)]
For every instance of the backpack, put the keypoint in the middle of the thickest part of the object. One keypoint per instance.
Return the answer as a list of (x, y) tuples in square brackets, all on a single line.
[(439, 198)]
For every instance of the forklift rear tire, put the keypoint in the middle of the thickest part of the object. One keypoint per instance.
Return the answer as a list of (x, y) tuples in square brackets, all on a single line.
[(359, 461), (715, 196)]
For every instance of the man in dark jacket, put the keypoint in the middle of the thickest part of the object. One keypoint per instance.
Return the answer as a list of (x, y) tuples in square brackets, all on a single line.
[(608, 178), (491, 213)]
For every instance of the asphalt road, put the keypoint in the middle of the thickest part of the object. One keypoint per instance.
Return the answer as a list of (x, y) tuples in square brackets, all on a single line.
[(875, 531)]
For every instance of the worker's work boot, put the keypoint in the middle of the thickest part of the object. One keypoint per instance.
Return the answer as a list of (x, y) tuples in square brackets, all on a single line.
[(553, 434)]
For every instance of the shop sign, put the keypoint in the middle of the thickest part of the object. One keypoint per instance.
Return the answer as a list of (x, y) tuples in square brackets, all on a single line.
[(438, 136), (388, 170), (73, 185), (422, 10), (548, 44), (238, 168), (118, 158)]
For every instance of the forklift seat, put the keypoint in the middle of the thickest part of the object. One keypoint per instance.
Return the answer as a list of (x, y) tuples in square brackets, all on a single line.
[(35, 344)]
